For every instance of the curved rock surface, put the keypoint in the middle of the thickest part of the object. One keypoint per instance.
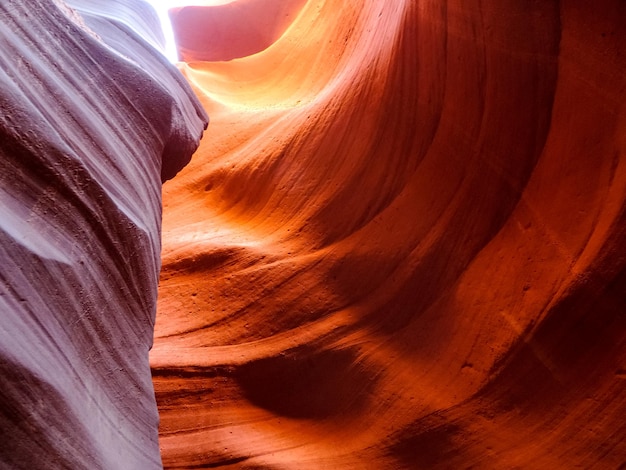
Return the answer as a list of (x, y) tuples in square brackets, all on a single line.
[(230, 30), (92, 119), (401, 244)]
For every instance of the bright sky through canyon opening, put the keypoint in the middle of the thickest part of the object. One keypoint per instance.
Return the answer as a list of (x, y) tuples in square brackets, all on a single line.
[(162, 6)]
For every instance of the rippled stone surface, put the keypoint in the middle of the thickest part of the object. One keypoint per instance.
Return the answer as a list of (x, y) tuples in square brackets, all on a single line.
[(401, 244), (92, 118)]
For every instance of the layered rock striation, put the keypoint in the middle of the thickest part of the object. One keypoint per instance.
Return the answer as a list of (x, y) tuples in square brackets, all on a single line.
[(401, 243), (92, 119)]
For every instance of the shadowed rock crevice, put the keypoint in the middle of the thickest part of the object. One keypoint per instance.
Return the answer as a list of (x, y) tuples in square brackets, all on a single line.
[(306, 384)]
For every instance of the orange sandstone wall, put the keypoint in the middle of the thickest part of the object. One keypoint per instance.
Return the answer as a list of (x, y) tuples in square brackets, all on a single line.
[(401, 243)]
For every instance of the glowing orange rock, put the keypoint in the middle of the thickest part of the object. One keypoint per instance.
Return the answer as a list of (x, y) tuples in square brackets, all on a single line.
[(401, 243)]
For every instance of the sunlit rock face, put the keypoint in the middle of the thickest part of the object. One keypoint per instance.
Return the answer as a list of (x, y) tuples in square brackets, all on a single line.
[(230, 30), (92, 119), (401, 244)]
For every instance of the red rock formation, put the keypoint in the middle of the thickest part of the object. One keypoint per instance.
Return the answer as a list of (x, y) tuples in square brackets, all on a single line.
[(92, 119), (401, 243)]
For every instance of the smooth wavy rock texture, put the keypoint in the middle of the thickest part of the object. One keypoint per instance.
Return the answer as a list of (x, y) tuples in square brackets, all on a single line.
[(92, 119), (400, 244), (230, 30)]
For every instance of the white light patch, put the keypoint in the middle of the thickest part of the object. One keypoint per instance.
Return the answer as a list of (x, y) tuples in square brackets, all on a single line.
[(162, 6)]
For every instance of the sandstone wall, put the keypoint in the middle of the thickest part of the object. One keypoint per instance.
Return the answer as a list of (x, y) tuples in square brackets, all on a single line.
[(401, 243)]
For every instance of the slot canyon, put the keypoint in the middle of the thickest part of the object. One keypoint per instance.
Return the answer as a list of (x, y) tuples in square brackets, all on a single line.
[(337, 234)]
